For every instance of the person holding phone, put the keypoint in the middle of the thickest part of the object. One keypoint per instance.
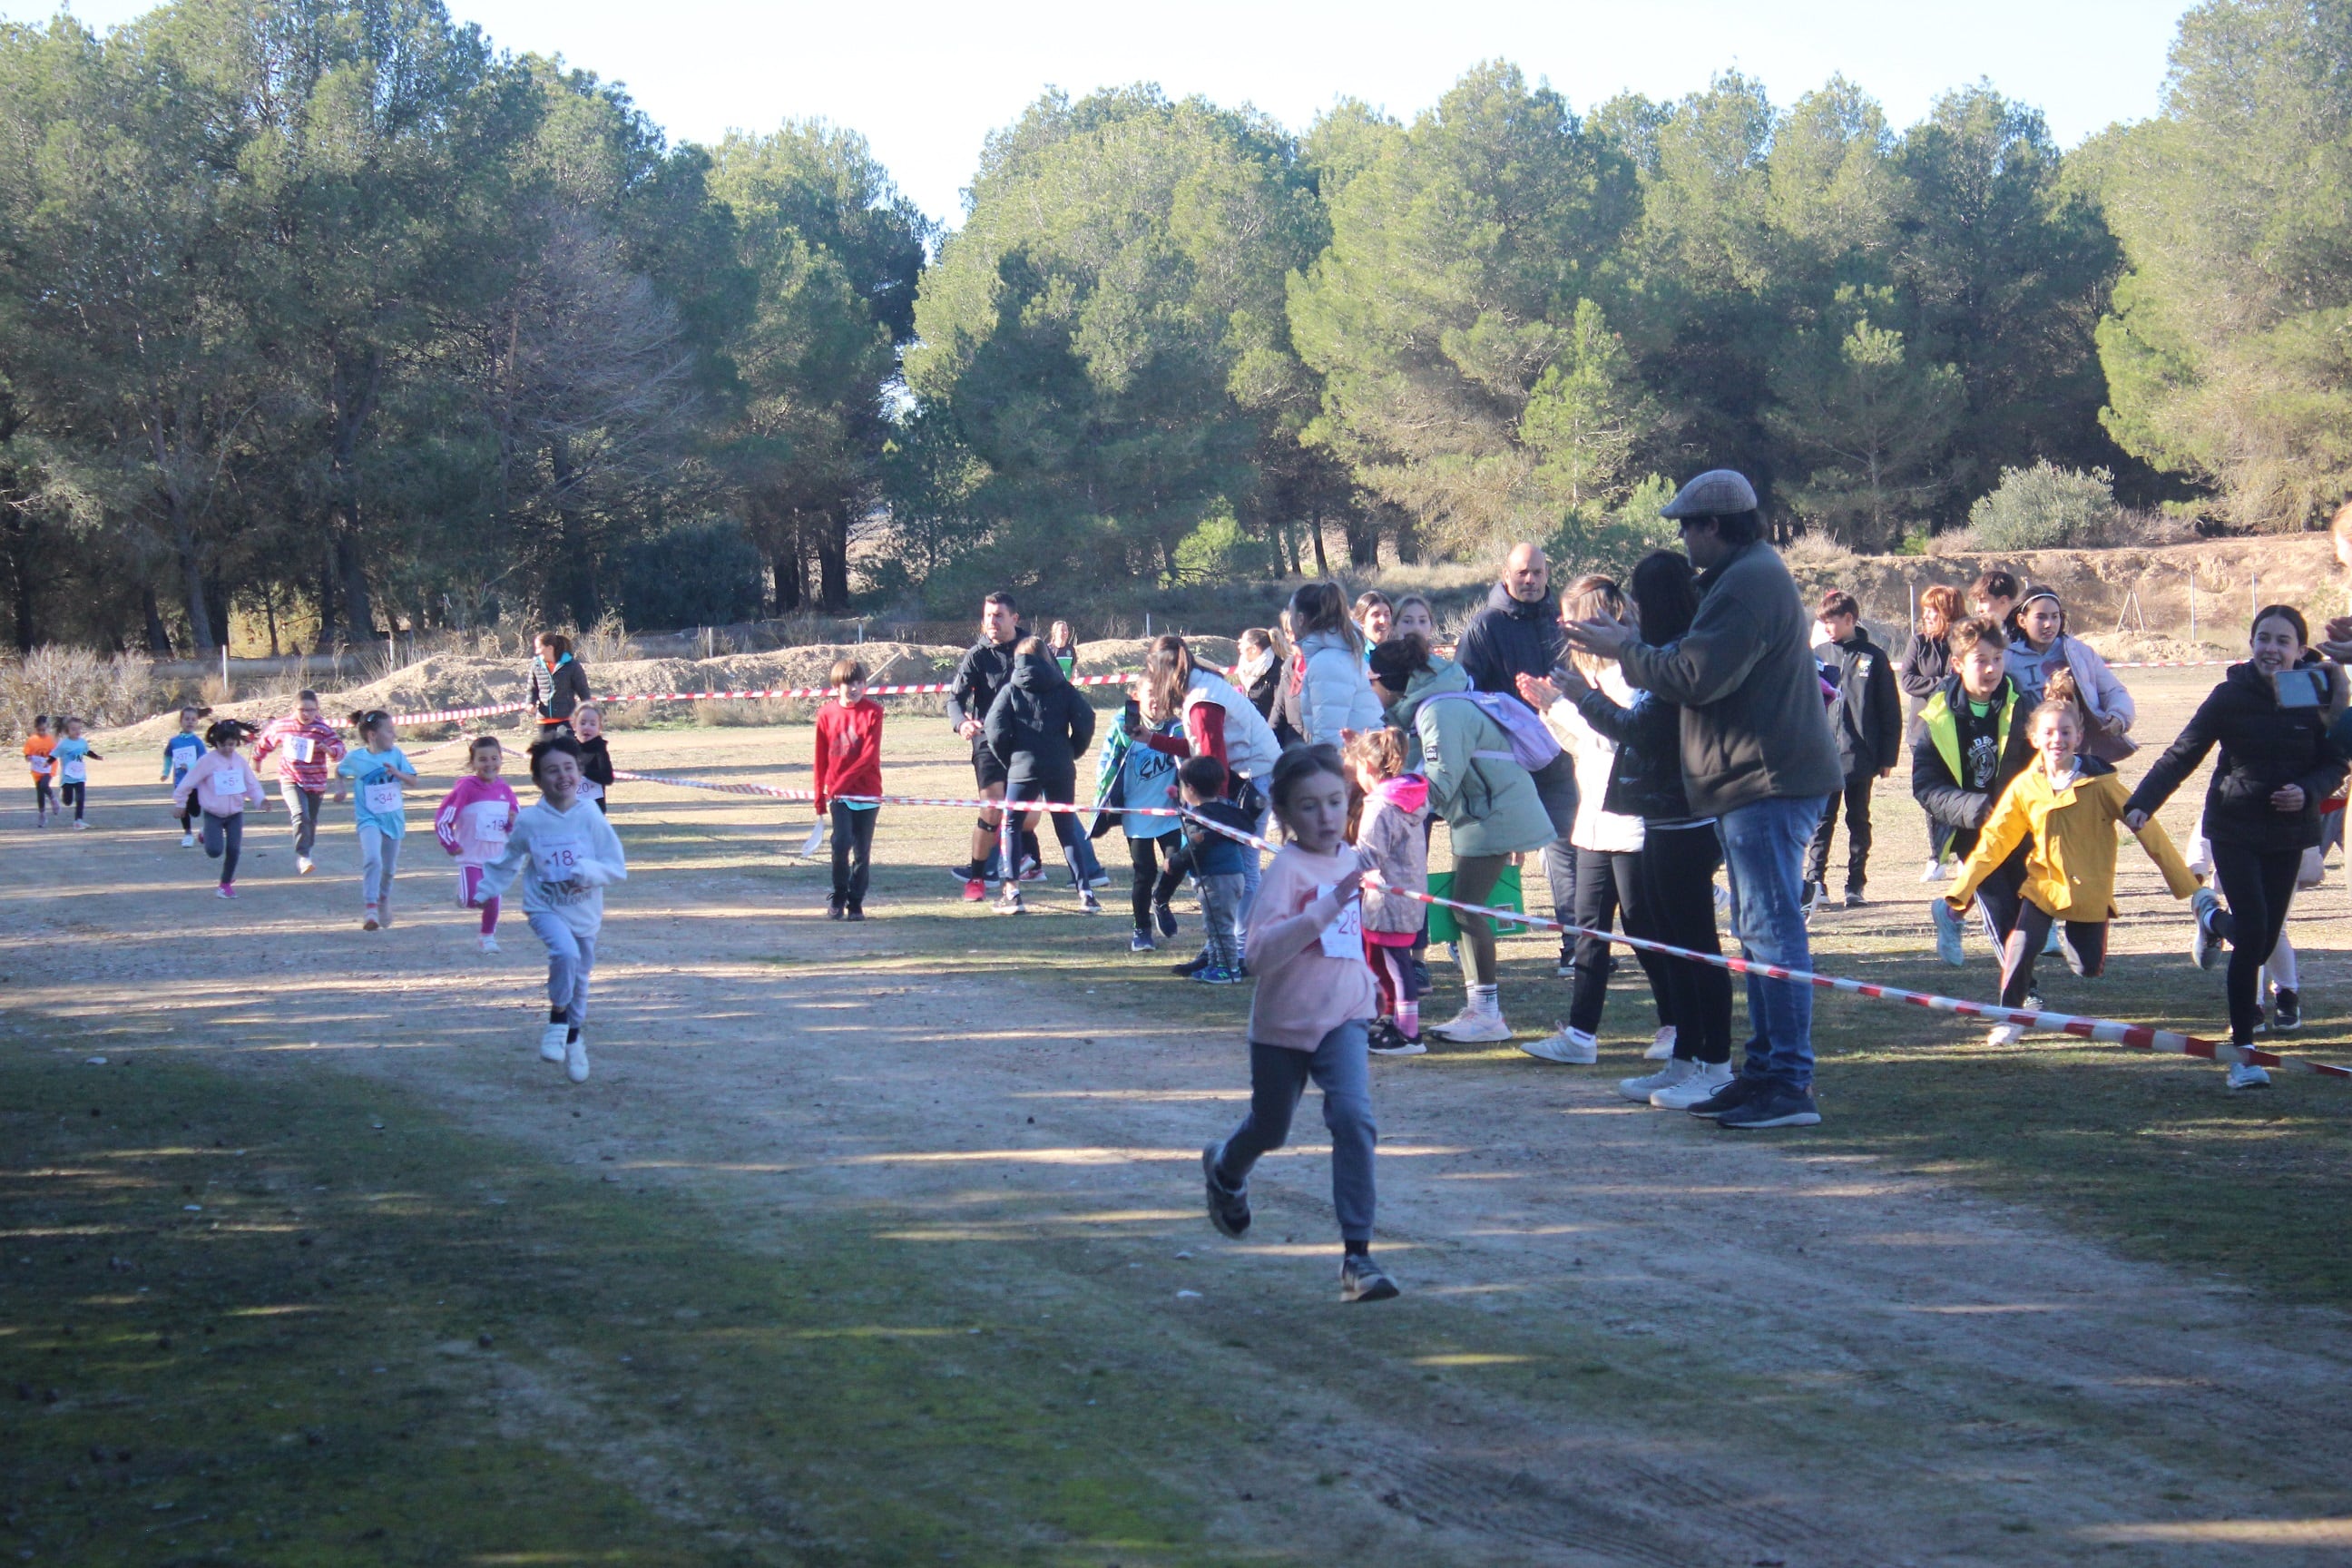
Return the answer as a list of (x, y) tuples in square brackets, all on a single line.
[(2269, 716)]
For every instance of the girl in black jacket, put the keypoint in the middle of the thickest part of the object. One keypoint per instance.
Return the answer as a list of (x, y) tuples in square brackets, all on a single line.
[(2262, 808), (1038, 727)]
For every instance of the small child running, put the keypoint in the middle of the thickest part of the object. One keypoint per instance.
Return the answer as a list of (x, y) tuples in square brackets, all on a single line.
[(39, 749), (566, 853), (595, 760), (1391, 833), (2066, 810), (472, 824), (1306, 1021), (72, 757), (1220, 863), (1130, 773), (848, 761), (378, 768), (223, 783), (180, 754)]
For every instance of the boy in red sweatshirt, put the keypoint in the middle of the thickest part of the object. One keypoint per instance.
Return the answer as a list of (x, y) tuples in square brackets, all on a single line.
[(849, 762)]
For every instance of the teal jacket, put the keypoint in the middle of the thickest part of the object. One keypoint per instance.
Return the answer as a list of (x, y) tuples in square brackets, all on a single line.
[(1488, 803)]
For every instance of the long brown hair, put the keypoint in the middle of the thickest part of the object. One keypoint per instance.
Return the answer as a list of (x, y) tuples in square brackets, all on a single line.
[(1168, 667), (1323, 607), (1590, 596)]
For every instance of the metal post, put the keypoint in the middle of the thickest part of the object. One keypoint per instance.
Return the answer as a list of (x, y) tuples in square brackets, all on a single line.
[(224, 668), (2192, 604)]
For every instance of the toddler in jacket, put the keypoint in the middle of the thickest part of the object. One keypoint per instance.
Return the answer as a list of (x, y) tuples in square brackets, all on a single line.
[(1392, 839), (1307, 1020), (566, 853), (472, 824), (2066, 808)]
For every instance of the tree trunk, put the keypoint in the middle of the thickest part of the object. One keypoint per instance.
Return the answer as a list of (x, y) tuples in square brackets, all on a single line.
[(192, 575), (1287, 542), (269, 613), (362, 617), (791, 576), (18, 531), (353, 382), (159, 637), (1322, 567), (833, 560), (326, 638), (1363, 538)]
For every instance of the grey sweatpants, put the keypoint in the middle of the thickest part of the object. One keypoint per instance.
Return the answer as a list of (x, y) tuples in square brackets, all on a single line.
[(379, 863), (1340, 1066), (303, 808), (571, 958)]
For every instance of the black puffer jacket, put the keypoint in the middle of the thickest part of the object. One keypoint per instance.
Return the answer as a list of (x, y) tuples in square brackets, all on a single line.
[(1925, 663), (1509, 638), (2264, 747), (979, 677), (1647, 778), (1039, 726)]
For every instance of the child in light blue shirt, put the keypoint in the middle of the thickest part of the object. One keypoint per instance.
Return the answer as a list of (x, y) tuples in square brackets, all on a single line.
[(180, 754), (377, 771), (71, 759)]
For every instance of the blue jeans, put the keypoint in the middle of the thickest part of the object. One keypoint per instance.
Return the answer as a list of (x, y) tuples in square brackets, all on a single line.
[(1764, 846)]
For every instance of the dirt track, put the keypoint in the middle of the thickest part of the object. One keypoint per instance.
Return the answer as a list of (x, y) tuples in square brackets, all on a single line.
[(1626, 1339)]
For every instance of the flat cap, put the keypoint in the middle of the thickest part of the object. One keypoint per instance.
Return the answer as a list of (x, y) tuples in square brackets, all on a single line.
[(1718, 493)]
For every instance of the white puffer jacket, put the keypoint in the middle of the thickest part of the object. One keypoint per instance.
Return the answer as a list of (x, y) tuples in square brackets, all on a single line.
[(1337, 694), (1251, 749), (1596, 755)]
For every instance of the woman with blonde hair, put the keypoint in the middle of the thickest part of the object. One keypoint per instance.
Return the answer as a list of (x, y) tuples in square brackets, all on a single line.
[(1926, 665)]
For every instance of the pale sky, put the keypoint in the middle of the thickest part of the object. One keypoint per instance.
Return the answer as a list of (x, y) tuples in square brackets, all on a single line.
[(926, 81)]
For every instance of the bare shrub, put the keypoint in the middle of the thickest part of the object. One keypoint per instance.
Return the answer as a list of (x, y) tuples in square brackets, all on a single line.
[(104, 690), (606, 642)]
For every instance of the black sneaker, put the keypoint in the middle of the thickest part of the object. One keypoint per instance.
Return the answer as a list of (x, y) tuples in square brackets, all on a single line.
[(1772, 1105), (1166, 919), (1853, 899), (1361, 1279), (833, 908), (1229, 1208), (970, 871), (854, 912), (1191, 966), (1385, 1039), (1737, 1092), (2286, 1012)]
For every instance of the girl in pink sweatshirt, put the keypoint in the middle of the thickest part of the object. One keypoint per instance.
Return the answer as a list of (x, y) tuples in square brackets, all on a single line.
[(1392, 836), (473, 824), (223, 783), (1306, 945)]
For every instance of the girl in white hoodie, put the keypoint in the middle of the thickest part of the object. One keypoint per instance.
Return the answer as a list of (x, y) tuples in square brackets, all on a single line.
[(566, 853)]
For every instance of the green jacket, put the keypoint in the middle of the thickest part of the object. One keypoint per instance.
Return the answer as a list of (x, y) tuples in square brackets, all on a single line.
[(1488, 802)]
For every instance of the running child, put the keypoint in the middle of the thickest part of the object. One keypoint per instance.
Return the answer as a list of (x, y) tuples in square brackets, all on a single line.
[(566, 853), (1131, 773), (595, 762), (2065, 810), (1218, 862), (1307, 1019), (1391, 837), (472, 824), (307, 749), (848, 761), (223, 783), (71, 758), (378, 769), (40, 748), (180, 754)]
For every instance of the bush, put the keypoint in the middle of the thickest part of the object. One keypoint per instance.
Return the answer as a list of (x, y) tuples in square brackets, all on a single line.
[(2047, 508), (56, 681), (1219, 552), (1611, 541), (701, 575)]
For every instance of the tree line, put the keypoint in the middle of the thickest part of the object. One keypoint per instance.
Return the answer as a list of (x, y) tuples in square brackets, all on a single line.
[(327, 315)]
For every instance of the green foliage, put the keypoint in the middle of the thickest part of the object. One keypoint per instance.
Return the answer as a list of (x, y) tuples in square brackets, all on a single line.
[(1219, 550), (1612, 539), (2047, 508), (1871, 419), (705, 573)]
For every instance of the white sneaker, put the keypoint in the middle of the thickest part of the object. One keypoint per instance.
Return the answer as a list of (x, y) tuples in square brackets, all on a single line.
[(1935, 872), (2204, 948), (2005, 1034), (1572, 1047), (1008, 902), (187, 841), (302, 865), (1706, 1080), (1088, 903), (550, 1042), (2245, 1074), (489, 945), (1639, 1089), (80, 825), (1663, 1048), (575, 1059), (1473, 1027)]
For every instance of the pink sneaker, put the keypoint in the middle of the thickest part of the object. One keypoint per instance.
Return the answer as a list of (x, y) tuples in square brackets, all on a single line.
[(227, 890)]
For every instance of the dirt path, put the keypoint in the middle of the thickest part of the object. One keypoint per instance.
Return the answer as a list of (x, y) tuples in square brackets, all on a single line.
[(1626, 1339)]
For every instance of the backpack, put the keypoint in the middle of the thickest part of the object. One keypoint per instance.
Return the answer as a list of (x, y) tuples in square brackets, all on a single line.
[(1533, 745)]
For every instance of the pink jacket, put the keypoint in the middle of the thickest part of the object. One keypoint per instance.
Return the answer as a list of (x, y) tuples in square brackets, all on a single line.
[(285, 736), (475, 819), (223, 783), (1304, 992), (1394, 832)]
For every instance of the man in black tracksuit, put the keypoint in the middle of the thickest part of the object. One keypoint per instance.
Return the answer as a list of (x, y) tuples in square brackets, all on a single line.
[(1868, 718), (983, 672)]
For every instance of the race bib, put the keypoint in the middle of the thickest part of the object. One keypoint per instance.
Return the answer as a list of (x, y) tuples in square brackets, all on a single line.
[(560, 859), (301, 747), (74, 771), (380, 798), (1344, 937), (223, 792), (590, 790)]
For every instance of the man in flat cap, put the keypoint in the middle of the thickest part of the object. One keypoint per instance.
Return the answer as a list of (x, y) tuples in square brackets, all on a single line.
[(1758, 756)]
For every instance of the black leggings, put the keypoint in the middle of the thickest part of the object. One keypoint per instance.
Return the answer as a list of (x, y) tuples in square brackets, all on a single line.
[(1606, 882), (1678, 881), (2085, 950), (42, 800), (2258, 885), (1143, 854), (224, 840), (72, 795)]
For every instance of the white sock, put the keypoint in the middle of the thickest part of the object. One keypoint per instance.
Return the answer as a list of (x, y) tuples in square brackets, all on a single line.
[(1487, 998)]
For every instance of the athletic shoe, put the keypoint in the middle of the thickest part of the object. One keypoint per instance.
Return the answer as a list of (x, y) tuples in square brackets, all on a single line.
[(303, 865), (227, 890), (1191, 966), (2004, 1034), (2034, 1003), (1707, 1080), (1165, 918), (1573, 1047), (1088, 903), (1566, 969), (1853, 899), (2204, 943), (1662, 1046), (1722, 899), (1947, 933), (187, 841), (1639, 1089), (1934, 873), (2049, 948), (2286, 1012), (1229, 1207), (970, 871), (1386, 1039), (1213, 974), (1100, 879), (1141, 941), (974, 890), (854, 912), (1736, 1090), (1816, 894), (1420, 975), (369, 921), (2245, 1074), (1029, 870), (489, 945), (833, 908), (1472, 1028), (575, 1058), (1361, 1279), (552, 1040), (1008, 902), (1776, 1105), (80, 825)]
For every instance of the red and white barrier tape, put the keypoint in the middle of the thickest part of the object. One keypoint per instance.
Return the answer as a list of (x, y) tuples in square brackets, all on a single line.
[(771, 694), (2106, 1031)]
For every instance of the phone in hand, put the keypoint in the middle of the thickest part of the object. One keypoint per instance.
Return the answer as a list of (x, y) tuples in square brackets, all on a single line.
[(2300, 688)]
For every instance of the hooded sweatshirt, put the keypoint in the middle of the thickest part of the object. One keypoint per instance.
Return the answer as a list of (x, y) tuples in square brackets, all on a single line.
[(474, 818), (1488, 802), (1508, 638), (1394, 831), (1304, 992), (565, 858), (1039, 725)]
